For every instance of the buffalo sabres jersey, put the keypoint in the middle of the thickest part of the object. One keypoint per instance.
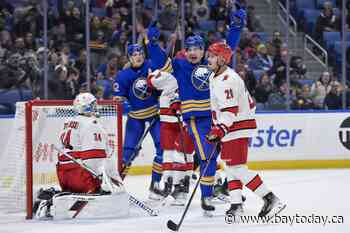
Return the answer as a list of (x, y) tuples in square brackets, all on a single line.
[(233, 109), (132, 84), (193, 81), (166, 83)]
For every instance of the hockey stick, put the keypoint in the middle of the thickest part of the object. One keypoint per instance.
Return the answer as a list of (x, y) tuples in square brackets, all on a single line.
[(133, 200), (171, 224), (125, 169)]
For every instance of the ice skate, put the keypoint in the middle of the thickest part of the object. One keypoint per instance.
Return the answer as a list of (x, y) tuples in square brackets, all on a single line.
[(179, 195), (272, 206), (221, 192), (207, 206), (155, 193), (235, 210)]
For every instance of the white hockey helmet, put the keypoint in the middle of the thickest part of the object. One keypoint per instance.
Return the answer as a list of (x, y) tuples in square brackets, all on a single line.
[(85, 103)]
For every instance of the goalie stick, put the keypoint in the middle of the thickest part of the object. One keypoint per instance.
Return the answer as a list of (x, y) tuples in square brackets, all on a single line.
[(171, 224), (133, 200), (125, 169)]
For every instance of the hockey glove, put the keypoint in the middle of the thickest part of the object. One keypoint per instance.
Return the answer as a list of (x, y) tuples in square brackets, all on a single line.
[(238, 19), (153, 32), (215, 134), (175, 108), (152, 75)]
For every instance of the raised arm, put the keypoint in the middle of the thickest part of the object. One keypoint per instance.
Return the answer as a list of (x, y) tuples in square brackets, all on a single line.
[(157, 56), (237, 23)]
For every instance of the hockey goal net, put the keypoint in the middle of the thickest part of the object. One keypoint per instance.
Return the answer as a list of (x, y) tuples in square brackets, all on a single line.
[(28, 163)]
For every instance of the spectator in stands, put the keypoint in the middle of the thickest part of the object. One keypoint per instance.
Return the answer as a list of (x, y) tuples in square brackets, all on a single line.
[(109, 69), (248, 77), (75, 27), (275, 44), (320, 89), (29, 42), (168, 18), (80, 65), (333, 99), (244, 41), (261, 61), (297, 67), (253, 22), (277, 100), (303, 99), (279, 67), (19, 46), (59, 87), (326, 22), (200, 9), (220, 11), (263, 89)]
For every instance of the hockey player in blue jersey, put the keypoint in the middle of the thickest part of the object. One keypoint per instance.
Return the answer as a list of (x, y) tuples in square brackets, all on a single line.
[(192, 76), (131, 84)]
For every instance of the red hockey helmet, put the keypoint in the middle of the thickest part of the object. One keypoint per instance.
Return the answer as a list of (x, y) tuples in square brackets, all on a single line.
[(221, 49)]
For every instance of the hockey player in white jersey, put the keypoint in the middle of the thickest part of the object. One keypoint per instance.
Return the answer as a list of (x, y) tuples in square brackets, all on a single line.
[(234, 122), (83, 194), (177, 145)]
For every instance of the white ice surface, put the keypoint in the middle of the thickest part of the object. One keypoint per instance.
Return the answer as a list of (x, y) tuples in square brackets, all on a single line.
[(306, 192)]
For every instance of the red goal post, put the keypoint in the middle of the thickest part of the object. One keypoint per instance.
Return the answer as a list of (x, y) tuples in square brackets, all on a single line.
[(42, 117)]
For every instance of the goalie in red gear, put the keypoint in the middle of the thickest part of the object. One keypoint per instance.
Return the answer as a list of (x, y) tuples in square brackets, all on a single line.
[(83, 138), (233, 112)]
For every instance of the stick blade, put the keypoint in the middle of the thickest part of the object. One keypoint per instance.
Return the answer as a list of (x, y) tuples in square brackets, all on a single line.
[(172, 226)]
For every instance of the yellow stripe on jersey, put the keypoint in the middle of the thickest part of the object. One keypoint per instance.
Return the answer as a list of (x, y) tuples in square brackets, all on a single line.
[(196, 101), (144, 113), (195, 105), (197, 139), (167, 66), (207, 180), (157, 168)]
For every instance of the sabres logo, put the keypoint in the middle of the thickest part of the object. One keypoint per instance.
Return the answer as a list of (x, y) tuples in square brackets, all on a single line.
[(200, 78), (141, 89)]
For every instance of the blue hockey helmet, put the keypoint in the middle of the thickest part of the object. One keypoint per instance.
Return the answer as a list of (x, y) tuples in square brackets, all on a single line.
[(134, 48), (194, 41)]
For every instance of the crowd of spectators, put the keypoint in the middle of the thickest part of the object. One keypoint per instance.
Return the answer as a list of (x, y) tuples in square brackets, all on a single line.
[(261, 61)]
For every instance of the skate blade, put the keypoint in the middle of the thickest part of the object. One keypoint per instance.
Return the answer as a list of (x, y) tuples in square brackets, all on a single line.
[(276, 210), (175, 203), (208, 214)]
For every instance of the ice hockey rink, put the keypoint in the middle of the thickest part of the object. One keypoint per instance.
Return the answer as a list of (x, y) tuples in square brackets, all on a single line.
[(306, 192)]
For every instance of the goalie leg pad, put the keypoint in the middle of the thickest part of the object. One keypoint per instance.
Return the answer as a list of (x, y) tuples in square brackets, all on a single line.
[(68, 206), (75, 179)]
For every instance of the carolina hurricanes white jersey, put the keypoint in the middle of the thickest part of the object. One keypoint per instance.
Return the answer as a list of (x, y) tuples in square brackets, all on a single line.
[(232, 106), (84, 138), (165, 82)]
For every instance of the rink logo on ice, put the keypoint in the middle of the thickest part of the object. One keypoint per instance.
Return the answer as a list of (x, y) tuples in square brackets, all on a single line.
[(272, 137), (344, 133)]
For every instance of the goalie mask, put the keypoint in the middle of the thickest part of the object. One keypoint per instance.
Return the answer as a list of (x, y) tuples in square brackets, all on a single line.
[(85, 103)]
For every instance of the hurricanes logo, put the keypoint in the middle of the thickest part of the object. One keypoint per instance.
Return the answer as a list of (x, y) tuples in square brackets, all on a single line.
[(344, 133), (141, 89), (200, 78)]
